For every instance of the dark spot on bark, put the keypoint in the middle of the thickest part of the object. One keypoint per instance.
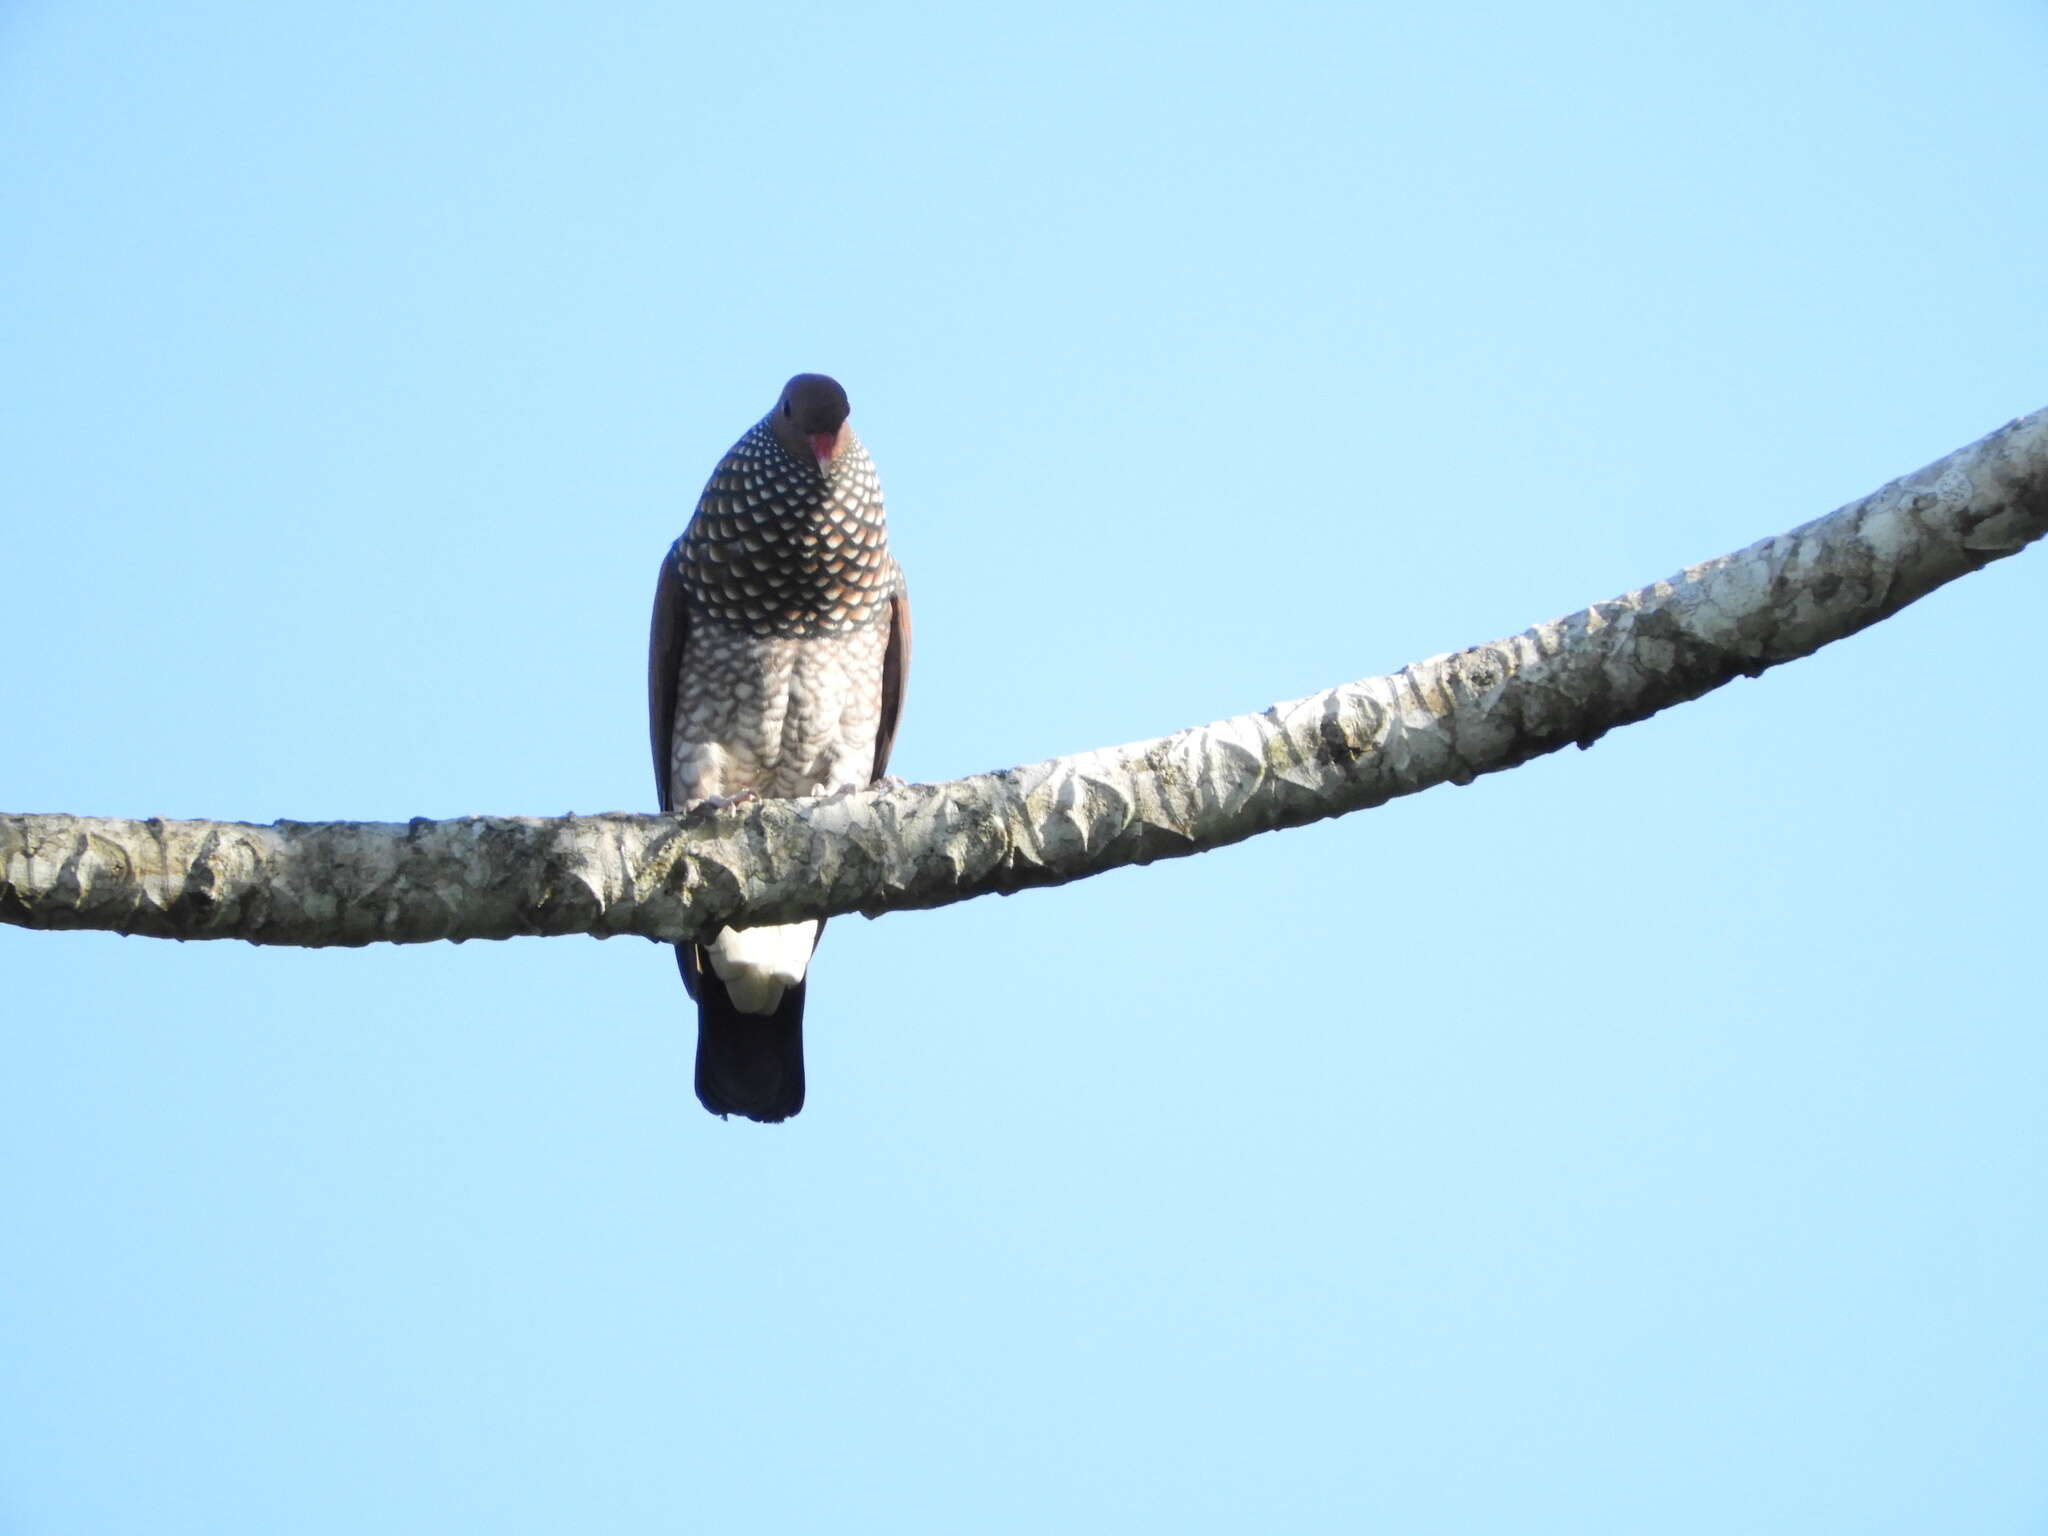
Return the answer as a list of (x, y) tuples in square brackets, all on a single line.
[(1336, 748)]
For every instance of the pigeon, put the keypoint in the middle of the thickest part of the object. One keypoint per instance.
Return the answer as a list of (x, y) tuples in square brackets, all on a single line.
[(775, 668)]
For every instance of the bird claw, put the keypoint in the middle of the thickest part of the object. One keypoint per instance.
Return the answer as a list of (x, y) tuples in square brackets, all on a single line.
[(886, 781), (718, 802)]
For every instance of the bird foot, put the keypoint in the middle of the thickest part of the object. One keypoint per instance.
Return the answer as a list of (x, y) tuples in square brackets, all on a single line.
[(887, 781), (718, 802)]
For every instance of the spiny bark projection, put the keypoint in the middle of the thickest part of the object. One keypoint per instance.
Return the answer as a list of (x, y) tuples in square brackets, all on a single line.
[(1450, 718)]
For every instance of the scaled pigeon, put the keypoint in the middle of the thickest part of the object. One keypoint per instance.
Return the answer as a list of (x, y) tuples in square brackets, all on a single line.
[(776, 666)]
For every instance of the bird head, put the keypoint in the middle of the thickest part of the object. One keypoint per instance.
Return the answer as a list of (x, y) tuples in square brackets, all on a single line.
[(810, 419)]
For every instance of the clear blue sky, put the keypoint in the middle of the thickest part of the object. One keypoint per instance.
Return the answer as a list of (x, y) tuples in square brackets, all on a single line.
[(1650, 1139)]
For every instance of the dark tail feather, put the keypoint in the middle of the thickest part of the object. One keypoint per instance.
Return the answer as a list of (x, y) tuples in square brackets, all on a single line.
[(749, 1064)]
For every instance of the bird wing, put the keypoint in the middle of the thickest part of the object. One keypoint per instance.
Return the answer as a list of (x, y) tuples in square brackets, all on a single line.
[(895, 674), (670, 628)]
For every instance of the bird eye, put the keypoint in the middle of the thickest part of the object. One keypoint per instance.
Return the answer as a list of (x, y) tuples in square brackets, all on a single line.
[(785, 410)]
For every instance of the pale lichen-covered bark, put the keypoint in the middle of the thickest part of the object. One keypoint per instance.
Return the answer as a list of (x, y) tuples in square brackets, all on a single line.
[(1450, 718)]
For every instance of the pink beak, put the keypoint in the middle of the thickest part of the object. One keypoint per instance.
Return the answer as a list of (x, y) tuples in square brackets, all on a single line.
[(823, 446)]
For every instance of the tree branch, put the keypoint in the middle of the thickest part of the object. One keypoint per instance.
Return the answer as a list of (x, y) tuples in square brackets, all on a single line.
[(1451, 718)]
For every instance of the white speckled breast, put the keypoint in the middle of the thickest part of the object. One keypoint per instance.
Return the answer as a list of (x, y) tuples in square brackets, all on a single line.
[(782, 715)]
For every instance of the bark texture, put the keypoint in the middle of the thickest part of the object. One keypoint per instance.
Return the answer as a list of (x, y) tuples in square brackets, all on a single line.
[(1450, 718)]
